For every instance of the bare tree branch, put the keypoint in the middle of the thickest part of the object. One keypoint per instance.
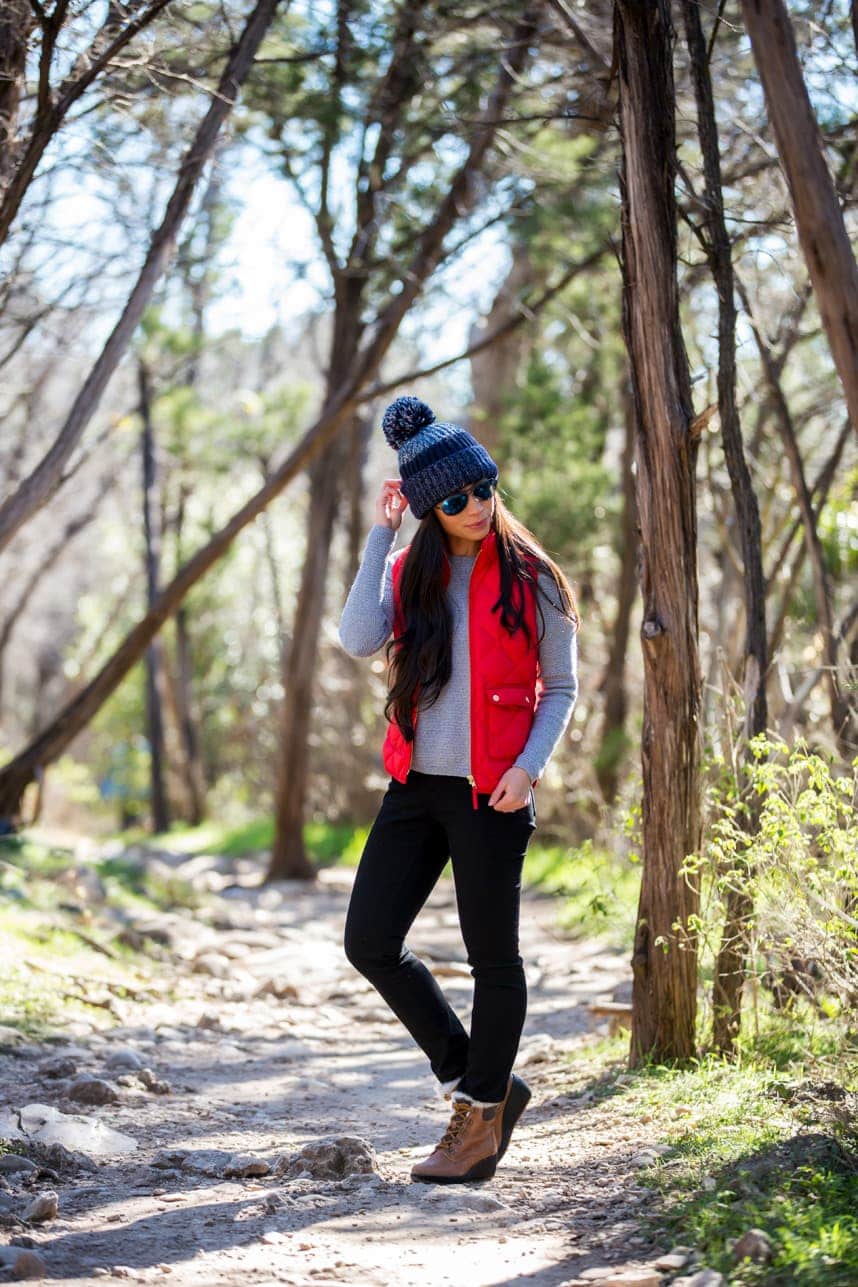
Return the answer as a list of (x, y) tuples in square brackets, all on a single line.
[(526, 311), (52, 110), (40, 485)]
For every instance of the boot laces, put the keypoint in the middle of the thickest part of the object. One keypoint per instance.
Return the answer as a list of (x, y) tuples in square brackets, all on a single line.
[(461, 1112)]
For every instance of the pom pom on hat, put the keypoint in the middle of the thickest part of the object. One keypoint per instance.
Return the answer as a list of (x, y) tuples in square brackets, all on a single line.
[(435, 458), (404, 418)]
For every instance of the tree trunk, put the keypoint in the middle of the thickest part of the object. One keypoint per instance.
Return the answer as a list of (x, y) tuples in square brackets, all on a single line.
[(614, 742), (362, 432), (494, 369), (843, 706), (288, 857), (16, 23), (47, 561), (193, 775), (154, 662), (787, 583), (665, 950), (186, 791), (180, 689), (180, 683), (818, 216), (37, 488), (276, 595), (730, 964)]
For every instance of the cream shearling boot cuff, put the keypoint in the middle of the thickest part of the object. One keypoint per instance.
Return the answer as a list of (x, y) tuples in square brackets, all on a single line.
[(478, 1103), (446, 1088)]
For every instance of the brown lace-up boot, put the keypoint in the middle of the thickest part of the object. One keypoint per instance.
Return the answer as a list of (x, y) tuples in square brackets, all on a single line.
[(468, 1149)]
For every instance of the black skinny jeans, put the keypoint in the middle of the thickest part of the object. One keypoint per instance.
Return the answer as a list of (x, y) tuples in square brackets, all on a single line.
[(422, 823)]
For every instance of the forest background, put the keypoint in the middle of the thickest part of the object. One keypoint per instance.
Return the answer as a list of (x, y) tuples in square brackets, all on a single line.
[(231, 234)]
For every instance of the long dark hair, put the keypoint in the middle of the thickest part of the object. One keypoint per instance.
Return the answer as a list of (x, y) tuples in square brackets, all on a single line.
[(422, 654)]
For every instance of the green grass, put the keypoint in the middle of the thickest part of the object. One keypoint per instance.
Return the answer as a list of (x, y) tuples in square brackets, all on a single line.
[(28, 1004), (130, 884), (598, 891), (34, 934), (329, 845), (51, 931), (326, 843), (22, 858), (767, 1141)]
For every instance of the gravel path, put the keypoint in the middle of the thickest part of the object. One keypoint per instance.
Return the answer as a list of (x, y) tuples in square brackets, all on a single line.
[(260, 1039)]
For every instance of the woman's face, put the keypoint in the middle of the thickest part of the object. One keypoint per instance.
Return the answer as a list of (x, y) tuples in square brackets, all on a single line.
[(473, 522)]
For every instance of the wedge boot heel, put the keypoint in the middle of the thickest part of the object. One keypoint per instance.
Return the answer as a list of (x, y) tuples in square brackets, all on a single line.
[(482, 1170), (516, 1102)]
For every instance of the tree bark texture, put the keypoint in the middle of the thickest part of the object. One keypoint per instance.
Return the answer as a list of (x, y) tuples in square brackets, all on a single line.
[(664, 958), (193, 775), (16, 23), (730, 963), (818, 216)]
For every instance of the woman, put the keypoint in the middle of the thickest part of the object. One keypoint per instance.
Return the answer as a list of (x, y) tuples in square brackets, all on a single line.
[(483, 680)]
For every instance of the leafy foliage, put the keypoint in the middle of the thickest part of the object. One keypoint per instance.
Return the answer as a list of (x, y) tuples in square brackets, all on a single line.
[(788, 838)]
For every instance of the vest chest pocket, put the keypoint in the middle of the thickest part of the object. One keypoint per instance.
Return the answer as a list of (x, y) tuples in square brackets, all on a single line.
[(509, 717)]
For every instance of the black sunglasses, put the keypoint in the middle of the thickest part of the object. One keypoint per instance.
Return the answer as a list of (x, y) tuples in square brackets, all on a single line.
[(454, 504)]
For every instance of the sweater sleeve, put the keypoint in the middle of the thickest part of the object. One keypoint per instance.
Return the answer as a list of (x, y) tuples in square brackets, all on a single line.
[(558, 663), (367, 618)]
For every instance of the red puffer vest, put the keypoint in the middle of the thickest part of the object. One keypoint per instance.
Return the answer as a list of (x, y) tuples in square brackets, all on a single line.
[(505, 682)]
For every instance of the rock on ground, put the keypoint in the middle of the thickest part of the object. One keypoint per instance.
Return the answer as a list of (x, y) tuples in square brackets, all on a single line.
[(330, 1159), (753, 1245), (244, 1164), (43, 1207), (92, 1090)]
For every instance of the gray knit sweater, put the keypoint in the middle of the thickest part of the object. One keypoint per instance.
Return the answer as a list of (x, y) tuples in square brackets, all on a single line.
[(442, 736)]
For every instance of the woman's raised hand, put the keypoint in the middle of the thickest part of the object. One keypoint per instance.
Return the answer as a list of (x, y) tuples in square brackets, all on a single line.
[(391, 504)]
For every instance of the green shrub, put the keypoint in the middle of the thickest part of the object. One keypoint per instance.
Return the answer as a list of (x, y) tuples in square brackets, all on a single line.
[(787, 837)]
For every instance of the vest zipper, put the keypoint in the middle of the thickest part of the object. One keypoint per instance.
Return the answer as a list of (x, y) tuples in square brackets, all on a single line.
[(475, 802)]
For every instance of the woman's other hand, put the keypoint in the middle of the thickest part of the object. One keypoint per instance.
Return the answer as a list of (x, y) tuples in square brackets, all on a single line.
[(511, 792), (391, 504)]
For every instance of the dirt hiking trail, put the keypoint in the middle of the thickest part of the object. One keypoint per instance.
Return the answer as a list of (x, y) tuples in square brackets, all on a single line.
[(250, 1039)]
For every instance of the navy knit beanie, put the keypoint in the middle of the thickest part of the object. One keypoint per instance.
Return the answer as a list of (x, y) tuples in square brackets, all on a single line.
[(435, 459)]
